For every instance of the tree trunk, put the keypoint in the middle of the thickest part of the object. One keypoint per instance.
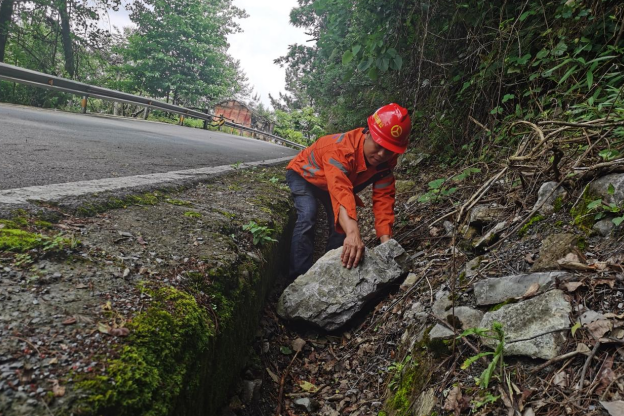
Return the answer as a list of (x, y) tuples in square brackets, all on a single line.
[(6, 13), (66, 38)]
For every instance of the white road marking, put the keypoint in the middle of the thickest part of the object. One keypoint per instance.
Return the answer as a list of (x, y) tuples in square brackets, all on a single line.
[(57, 192)]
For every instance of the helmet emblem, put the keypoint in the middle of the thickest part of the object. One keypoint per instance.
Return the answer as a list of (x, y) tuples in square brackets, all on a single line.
[(396, 131)]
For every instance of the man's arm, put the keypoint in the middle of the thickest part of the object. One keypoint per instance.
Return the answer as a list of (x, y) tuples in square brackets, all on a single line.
[(353, 246)]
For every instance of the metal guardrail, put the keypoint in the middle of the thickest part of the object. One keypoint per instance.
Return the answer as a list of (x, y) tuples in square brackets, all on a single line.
[(41, 80)]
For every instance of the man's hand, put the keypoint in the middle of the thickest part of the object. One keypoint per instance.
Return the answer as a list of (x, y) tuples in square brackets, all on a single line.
[(384, 238), (353, 246)]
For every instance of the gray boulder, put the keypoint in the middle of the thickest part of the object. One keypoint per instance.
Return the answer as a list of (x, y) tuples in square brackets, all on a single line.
[(498, 289), (328, 295), (544, 313), (546, 200), (600, 188)]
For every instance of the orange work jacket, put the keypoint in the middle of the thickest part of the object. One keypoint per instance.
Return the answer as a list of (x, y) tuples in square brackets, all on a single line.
[(336, 164)]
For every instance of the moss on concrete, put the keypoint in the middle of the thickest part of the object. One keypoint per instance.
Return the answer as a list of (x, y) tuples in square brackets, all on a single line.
[(158, 363), (12, 239), (185, 351)]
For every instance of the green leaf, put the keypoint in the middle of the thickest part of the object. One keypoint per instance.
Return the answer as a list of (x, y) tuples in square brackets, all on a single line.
[(355, 49), (365, 64), (611, 189), (609, 154), (508, 97), (594, 204), (285, 350), (568, 74), (590, 79), (474, 331), (617, 221), (474, 358), (575, 328), (436, 184), (542, 54), (560, 49), (347, 57), (398, 62), (373, 73)]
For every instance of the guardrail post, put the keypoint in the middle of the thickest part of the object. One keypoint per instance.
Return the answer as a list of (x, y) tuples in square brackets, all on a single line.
[(83, 104), (146, 113), (205, 121)]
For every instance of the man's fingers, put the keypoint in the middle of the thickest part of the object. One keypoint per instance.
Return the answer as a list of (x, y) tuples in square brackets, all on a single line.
[(358, 257)]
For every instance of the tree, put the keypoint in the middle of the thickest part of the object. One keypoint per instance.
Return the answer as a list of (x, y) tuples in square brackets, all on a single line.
[(179, 49), (6, 15)]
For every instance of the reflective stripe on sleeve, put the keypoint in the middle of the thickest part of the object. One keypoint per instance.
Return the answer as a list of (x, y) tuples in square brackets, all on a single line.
[(340, 138), (339, 165), (382, 185)]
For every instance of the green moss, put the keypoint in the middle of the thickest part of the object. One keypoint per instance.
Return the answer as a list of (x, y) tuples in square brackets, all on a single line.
[(500, 305), (525, 228), (9, 224), (178, 202), (581, 244), (19, 240), (582, 217), (90, 209), (43, 224), (158, 363), (192, 214), (411, 383), (558, 204)]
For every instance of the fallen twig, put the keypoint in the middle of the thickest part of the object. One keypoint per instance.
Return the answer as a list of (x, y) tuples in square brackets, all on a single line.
[(280, 395), (590, 357)]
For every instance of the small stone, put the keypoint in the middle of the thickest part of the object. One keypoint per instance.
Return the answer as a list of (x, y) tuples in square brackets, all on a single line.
[(604, 227), (310, 405), (544, 201), (491, 236), (554, 247), (440, 332), (409, 281), (496, 290), (441, 303), (483, 214), (472, 267), (468, 317), (448, 227)]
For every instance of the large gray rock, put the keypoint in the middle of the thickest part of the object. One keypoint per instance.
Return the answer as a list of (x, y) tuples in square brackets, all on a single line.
[(546, 197), (328, 295), (547, 312), (498, 289), (600, 187), (483, 214), (554, 247)]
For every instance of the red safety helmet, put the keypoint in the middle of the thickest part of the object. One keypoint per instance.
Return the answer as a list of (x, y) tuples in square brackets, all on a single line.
[(390, 127)]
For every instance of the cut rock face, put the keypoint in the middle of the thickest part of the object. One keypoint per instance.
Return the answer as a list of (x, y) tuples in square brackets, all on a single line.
[(498, 289), (547, 312), (329, 295)]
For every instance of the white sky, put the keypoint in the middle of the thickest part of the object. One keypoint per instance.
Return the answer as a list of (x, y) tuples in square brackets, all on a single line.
[(267, 32)]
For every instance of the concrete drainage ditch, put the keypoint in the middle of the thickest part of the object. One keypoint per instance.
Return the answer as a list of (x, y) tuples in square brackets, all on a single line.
[(146, 308)]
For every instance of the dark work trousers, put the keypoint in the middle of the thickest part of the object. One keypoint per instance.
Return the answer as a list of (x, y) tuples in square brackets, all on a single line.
[(302, 246)]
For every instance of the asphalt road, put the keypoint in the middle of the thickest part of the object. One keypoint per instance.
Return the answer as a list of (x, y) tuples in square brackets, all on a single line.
[(42, 147)]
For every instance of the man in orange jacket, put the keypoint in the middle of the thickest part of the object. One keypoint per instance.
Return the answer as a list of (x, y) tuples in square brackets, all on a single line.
[(334, 169)]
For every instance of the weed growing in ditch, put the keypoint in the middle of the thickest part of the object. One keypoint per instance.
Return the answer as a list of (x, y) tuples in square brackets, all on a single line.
[(496, 333), (261, 233)]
